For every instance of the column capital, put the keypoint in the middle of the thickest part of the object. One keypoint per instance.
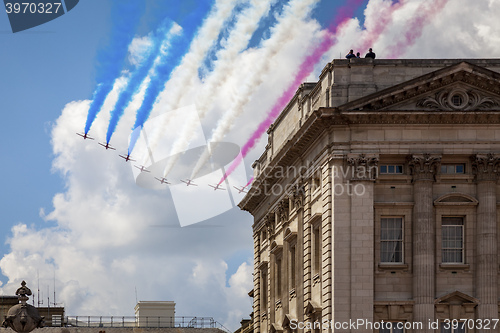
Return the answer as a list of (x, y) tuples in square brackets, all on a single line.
[(485, 167), (364, 166), (423, 166), (282, 210), (298, 194)]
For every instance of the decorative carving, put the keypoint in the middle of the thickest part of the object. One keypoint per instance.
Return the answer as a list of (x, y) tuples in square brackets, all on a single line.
[(23, 317), (298, 195), (458, 99), (316, 279), (278, 305), (269, 221), (282, 210), (363, 167), (293, 294), (485, 167), (424, 166)]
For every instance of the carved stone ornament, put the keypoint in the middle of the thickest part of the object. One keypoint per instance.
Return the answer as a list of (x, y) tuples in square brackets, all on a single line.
[(269, 222), (363, 167), (298, 195), (424, 166), (23, 317), (458, 99), (282, 210), (485, 167)]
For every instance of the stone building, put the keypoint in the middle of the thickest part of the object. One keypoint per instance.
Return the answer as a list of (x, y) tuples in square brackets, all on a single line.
[(376, 200)]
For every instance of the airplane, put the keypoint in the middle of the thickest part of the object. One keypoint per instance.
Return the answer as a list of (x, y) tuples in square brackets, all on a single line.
[(216, 187), (242, 189), (163, 180), (142, 168), (85, 136), (127, 158), (107, 145), (188, 182)]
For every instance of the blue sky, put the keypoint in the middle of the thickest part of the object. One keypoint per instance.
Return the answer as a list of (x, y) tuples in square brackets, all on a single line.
[(48, 75)]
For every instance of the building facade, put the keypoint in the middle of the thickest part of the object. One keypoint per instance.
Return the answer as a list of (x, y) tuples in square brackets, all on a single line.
[(376, 200)]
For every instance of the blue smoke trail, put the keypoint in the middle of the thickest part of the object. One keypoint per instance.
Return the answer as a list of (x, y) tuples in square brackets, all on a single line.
[(125, 18), (180, 46), (138, 77)]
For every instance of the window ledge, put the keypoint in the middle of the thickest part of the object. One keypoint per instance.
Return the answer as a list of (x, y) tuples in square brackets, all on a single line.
[(454, 266), (389, 266)]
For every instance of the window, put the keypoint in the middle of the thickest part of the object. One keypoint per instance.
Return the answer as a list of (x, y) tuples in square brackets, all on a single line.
[(391, 239), (278, 278), (316, 181), (263, 289), (391, 169), (292, 266), (452, 243), (316, 249), (452, 168)]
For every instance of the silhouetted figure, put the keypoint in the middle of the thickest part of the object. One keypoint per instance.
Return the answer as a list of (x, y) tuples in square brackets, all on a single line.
[(370, 54), (350, 55), (358, 55)]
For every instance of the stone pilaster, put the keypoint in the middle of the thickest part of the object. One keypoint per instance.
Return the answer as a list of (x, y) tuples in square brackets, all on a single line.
[(363, 170), (423, 168), (306, 246), (485, 169), (326, 231), (256, 280)]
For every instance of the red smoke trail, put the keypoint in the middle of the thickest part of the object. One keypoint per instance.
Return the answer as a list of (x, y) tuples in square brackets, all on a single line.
[(382, 19), (249, 182), (424, 14), (344, 14)]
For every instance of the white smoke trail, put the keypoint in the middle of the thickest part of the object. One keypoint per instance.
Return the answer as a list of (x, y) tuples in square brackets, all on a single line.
[(191, 62), (246, 24), (294, 13)]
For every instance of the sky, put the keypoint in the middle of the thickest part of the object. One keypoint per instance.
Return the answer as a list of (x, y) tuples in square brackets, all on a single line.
[(78, 217)]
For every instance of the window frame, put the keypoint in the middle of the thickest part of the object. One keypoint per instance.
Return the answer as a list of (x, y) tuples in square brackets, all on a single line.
[(387, 169), (401, 240), (454, 165), (462, 248)]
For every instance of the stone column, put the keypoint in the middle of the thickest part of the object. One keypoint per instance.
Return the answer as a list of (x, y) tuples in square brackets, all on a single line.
[(423, 168), (485, 169), (363, 171)]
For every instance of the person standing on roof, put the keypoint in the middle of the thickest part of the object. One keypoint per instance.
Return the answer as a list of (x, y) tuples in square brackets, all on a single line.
[(370, 54), (350, 55)]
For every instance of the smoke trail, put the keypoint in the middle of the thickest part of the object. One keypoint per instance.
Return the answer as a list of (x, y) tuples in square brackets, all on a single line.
[(125, 18), (246, 24), (423, 15), (161, 43), (307, 66), (377, 22), (164, 69), (249, 182), (294, 13)]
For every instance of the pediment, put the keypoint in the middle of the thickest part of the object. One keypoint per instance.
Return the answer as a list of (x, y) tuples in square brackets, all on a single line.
[(312, 308), (461, 87), (287, 320), (456, 198), (456, 298)]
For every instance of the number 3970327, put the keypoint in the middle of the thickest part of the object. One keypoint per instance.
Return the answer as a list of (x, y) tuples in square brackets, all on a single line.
[(32, 8)]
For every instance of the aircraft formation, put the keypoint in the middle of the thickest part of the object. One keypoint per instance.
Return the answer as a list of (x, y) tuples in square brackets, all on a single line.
[(162, 180)]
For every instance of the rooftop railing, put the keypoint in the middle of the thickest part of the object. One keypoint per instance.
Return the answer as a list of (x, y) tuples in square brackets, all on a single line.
[(142, 322)]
